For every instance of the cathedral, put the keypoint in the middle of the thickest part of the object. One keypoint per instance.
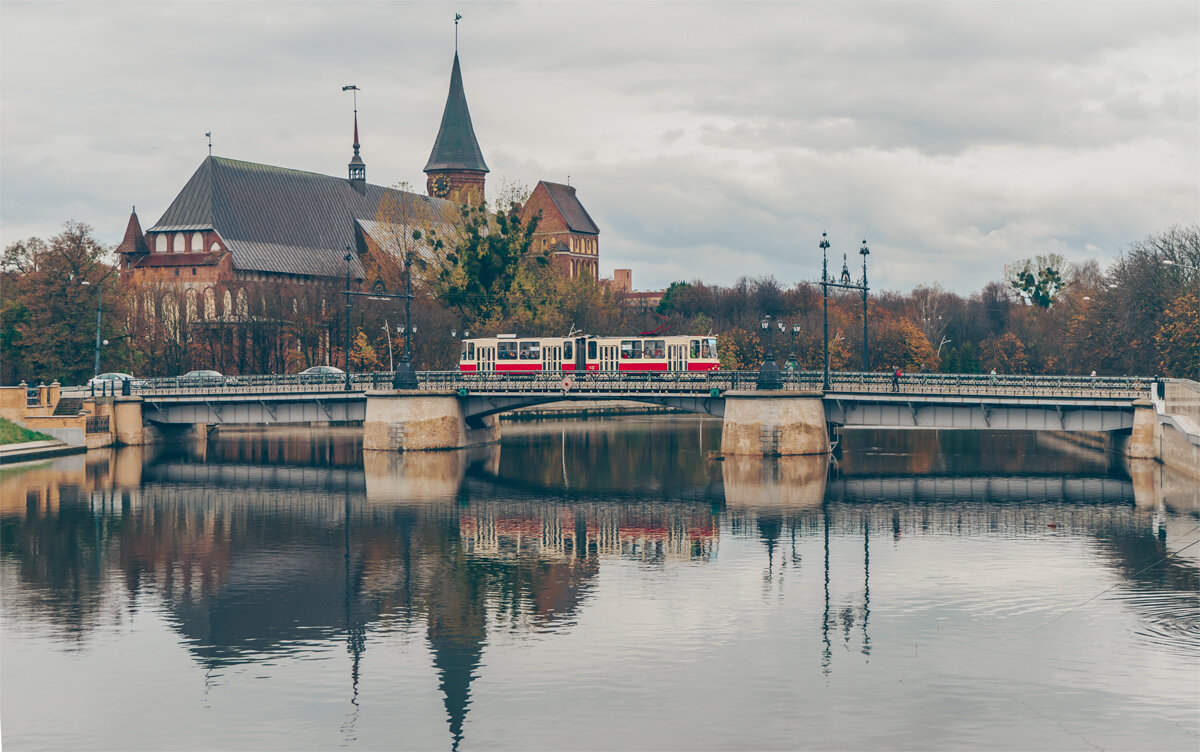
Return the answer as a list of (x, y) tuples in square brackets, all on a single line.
[(238, 222)]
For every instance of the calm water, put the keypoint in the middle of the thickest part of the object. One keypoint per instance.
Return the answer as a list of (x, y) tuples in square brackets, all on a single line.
[(599, 585)]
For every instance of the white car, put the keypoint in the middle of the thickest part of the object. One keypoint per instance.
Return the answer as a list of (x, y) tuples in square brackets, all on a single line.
[(112, 381)]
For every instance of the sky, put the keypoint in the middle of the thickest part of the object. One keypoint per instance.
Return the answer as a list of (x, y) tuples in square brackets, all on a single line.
[(708, 141)]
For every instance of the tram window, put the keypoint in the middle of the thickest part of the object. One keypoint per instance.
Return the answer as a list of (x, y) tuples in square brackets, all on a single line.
[(506, 351), (656, 348), (710, 347), (531, 350), (631, 349), (568, 350), (591, 349), (470, 351), (464, 351), (694, 351)]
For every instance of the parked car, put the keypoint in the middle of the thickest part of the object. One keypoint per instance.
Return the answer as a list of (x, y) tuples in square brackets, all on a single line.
[(203, 378), (321, 375), (112, 381)]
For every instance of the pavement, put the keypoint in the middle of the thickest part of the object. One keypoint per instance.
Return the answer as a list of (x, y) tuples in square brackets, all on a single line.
[(35, 450)]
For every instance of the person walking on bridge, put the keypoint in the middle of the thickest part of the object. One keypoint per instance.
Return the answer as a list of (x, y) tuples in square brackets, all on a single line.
[(896, 380)]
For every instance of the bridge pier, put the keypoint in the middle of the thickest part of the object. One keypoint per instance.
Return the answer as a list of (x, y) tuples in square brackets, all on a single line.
[(768, 423), (419, 420), (1143, 439)]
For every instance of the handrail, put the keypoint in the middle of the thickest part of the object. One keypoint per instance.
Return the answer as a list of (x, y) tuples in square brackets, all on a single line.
[(672, 382)]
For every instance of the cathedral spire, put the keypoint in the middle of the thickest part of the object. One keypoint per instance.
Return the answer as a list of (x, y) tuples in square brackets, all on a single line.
[(358, 168), (456, 168)]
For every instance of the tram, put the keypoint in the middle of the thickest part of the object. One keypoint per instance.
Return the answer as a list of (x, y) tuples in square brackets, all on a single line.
[(513, 354)]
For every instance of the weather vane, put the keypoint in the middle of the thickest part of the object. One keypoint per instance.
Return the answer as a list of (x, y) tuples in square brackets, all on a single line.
[(209, 135), (355, 89), (457, 17)]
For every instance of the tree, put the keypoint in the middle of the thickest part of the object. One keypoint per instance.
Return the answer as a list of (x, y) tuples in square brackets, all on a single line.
[(1038, 280), (50, 313), (487, 257)]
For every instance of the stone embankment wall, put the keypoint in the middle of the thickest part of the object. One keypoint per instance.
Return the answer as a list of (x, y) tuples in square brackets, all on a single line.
[(1179, 438)]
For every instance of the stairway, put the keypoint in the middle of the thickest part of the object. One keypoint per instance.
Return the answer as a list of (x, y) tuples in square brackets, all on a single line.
[(68, 406)]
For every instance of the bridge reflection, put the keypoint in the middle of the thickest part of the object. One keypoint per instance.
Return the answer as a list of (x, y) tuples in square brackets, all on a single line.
[(259, 549)]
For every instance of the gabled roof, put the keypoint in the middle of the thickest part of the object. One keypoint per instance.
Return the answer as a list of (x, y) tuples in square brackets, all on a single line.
[(577, 218), (135, 239), (455, 147), (283, 221)]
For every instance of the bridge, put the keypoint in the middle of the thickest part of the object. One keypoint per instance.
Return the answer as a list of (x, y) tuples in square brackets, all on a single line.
[(453, 409)]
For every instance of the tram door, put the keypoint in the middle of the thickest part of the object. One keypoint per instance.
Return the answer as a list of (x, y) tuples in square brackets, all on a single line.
[(487, 358), (608, 358), (551, 357), (580, 354), (675, 358)]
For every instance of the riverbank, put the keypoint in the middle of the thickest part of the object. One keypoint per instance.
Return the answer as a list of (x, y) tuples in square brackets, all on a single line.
[(36, 450)]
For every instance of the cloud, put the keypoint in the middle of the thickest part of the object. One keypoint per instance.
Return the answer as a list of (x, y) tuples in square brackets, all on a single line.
[(709, 140)]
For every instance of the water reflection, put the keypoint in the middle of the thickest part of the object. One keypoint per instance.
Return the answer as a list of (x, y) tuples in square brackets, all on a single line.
[(270, 548)]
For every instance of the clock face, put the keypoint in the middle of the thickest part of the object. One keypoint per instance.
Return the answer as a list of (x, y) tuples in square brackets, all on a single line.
[(441, 186)]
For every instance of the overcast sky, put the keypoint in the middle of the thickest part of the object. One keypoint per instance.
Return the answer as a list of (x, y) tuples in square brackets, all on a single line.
[(707, 140)]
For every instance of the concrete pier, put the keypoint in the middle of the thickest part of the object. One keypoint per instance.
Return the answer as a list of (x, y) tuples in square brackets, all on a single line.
[(769, 423), (421, 420)]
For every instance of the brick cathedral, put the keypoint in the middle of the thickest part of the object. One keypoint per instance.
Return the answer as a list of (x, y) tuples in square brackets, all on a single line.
[(237, 222)]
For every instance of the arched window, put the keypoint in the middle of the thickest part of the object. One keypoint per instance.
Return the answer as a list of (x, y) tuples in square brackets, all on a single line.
[(243, 304), (227, 305), (160, 243), (197, 242), (210, 304), (170, 315), (215, 247), (191, 310), (179, 245)]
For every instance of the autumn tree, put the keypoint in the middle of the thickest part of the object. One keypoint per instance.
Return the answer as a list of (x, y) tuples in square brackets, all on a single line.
[(51, 293)]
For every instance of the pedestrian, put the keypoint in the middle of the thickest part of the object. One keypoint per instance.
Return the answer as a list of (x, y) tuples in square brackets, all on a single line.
[(896, 380)]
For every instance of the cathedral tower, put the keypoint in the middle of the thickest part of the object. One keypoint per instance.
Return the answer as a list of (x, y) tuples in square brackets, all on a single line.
[(456, 169)]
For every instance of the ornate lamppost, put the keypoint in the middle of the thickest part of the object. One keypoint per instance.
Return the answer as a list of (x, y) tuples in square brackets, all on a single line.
[(768, 372), (404, 377), (846, 284)]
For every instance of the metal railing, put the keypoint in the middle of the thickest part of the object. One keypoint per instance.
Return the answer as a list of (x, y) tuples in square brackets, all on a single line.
[(96, 424), (671, 382)]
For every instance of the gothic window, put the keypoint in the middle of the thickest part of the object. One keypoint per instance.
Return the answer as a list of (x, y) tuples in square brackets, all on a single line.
[(191, 309), (227, 305), (215, 247), (243, 304), (210, 304), (197, 242), (160, 243), (180, 243), (170, 315)]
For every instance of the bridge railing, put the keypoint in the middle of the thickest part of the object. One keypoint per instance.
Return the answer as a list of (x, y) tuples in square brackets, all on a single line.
[(673, 382)]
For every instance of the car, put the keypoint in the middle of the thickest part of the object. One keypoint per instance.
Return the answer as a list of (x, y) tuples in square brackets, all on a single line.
[(112, 381), (202, 378), (321, 375)]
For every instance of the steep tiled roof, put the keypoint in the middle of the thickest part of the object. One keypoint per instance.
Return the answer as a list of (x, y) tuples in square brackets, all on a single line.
[(577, 218), (278, 220), (455, 147), (135, 239)]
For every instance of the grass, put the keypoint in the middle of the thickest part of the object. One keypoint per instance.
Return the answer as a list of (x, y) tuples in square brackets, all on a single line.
[(11, 433)]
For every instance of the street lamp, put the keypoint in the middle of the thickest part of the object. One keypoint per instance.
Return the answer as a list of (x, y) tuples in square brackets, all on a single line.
[(405, 377), (825, 296), (768, 372), (1169, 262), (99, 296), (844, 283), (864, 252)]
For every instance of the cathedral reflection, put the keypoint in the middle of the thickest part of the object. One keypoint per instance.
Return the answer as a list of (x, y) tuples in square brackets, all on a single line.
[(259, 548)]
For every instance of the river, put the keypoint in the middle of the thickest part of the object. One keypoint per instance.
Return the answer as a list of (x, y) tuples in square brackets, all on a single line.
[(599, 584)]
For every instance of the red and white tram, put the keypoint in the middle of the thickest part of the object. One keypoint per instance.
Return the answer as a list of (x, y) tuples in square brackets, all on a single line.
[(508, 352)]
